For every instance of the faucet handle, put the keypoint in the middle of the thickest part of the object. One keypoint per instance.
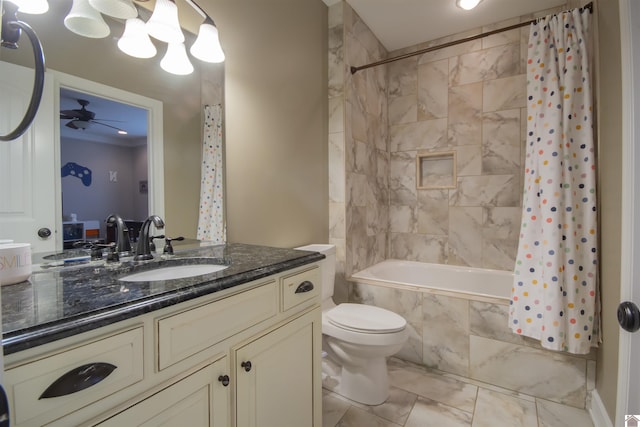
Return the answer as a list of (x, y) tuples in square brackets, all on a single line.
[(152, 246), (168, 249)]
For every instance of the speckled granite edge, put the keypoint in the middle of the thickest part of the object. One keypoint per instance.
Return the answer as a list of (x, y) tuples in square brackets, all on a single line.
[(247, 263)]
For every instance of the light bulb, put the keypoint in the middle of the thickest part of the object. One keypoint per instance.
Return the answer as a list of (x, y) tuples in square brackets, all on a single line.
[(163, 24), (33, 7), (207, 46), (135, 41), (467, 4), (176, 61), (84, 20)]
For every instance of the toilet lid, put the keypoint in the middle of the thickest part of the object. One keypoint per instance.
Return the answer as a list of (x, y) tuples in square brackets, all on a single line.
[(365, 318)]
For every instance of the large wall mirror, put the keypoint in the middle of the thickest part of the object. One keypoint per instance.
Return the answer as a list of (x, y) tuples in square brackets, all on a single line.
[(89, 68), (111, 158)]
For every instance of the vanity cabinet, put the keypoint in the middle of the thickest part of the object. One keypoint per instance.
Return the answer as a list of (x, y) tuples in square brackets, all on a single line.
[(275, 376), (199, 400), (246, 356)]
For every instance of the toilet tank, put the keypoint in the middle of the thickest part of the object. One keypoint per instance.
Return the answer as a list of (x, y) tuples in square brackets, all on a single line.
[(327, 266)]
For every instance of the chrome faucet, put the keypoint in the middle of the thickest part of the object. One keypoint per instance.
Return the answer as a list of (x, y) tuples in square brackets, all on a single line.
[(123, 244), (143, 249)]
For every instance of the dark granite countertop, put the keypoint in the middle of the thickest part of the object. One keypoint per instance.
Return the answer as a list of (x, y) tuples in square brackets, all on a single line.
[(62, 301)]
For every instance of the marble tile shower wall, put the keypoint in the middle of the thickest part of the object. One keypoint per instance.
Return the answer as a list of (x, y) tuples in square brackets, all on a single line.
[(468, 98), (358, 155)]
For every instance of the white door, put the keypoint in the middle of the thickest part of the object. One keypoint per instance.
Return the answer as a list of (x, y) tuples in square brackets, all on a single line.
[(628, 401), (28, 164)]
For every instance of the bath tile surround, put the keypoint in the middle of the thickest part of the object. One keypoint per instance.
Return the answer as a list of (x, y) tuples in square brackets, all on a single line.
[(471, 339), (421, 397), (467, 98)]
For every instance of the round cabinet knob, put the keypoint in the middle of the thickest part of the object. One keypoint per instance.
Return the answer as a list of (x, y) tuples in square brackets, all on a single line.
[(44, 233), (629, 316), (224, 379), (246, 365)]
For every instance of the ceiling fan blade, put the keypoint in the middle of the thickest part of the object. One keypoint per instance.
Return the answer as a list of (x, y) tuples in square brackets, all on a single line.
[(104, 124), (71, 114), (71, 125)]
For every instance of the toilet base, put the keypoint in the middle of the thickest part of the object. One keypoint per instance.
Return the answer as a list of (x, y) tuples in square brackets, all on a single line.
[(367, 383)]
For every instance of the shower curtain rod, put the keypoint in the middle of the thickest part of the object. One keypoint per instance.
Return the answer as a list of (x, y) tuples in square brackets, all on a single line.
[(588, 6)]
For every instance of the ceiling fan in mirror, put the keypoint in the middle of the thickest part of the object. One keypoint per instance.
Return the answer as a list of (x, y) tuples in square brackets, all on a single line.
[(81, 118)]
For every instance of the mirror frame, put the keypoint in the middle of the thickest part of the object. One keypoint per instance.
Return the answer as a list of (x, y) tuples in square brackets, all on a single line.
[(155, 141)]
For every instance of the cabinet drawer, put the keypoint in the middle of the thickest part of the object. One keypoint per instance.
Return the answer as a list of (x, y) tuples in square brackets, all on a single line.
[(46, 388), (300, 288), (185, 334)]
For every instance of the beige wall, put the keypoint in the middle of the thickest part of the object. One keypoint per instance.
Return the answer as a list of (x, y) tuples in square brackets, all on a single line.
[(276, 119), (610, 179)]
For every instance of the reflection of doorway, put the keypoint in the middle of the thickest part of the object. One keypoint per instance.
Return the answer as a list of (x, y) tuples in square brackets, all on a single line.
[(103, 171)]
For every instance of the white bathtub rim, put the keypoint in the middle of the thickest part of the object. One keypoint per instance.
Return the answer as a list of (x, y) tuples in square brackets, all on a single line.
[(435, 289)]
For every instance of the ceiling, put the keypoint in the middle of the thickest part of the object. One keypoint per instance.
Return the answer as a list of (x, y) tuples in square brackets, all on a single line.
[(123, 116), (402, 23)]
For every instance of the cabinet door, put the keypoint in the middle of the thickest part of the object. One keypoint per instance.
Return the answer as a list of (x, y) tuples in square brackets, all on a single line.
[(199, 400), (278, 376)]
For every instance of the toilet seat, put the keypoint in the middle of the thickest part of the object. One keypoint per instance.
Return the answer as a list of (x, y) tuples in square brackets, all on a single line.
[(364, 318)]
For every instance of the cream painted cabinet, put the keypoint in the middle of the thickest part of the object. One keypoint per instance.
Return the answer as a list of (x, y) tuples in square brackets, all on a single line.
[(276, 376), (199, 400), (250, 357)]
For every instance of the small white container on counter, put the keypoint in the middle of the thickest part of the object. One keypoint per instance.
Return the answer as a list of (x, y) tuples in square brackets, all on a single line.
[(15, 263)]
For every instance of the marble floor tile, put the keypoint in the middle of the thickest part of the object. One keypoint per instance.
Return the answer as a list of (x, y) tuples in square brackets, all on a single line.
[(500, 410), (356, 417), (395, 409), (429, 413), (422, 382), (333, 409), (455, 401), (551, 414)]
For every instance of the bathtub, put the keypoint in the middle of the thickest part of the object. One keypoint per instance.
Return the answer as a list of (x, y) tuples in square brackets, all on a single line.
[(463, 282), (458, 323)]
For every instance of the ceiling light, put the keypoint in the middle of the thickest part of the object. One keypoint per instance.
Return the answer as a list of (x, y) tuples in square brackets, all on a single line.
[(122, 132), (207, 46), (84, 20), (122, 9), (467, 4), (176, 61), (34, 7), (135, 41), (163, 24)]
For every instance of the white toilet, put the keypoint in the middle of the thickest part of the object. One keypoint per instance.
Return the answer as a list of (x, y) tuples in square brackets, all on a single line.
[(359, 337)]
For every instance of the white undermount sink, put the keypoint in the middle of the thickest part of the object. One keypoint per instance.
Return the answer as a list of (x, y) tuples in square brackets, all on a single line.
[(174, 272)]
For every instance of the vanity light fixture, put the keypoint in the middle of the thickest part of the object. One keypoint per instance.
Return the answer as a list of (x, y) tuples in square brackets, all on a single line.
[(163, 24), (467, 4), (135, 41), (176, 61), (86, 21), (122, 9), (207, 46), (33, 7)]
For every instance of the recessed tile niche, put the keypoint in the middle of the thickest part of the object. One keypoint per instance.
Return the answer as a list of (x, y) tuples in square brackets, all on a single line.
[(436, 170)]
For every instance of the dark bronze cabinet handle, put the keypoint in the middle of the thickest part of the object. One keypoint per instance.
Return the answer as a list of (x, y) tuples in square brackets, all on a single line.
[(224, 379), (78, 379), (246, 365), (305, 286)]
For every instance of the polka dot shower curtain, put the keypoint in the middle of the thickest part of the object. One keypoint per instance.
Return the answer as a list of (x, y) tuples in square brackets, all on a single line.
[(554, 297), (211, 224)]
